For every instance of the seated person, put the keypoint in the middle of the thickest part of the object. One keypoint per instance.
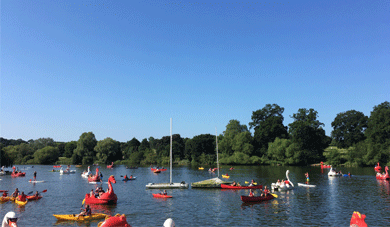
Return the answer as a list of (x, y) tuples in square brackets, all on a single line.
[(5, 194), (252, 183), (85, 212), (164, 192), (233, 184), (125, 177), (36, 194), (251, 193), (91, 193), (238, 184), (22, 197), (15, 193), (265, 191), (131, 177)]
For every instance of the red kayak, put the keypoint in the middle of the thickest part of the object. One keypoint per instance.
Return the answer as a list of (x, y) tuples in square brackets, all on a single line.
[(161, 196), (56, 166), (249, 199), (153, 169), (157, 171), (225, 186), (33, 197)]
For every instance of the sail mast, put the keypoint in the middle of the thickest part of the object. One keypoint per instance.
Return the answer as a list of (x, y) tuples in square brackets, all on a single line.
[(216, 141), (170, 155)]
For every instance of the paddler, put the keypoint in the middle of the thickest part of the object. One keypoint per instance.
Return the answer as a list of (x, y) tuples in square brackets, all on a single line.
[(15, 193), (35, 175), (307, 176), (22, 197), (85, 212), (250, 193)]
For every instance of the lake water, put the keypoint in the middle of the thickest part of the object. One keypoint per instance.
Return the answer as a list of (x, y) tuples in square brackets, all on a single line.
[(331, 203)]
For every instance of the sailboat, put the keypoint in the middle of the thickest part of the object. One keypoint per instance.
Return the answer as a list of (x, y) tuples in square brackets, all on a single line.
[(170, 185), (213, 182)]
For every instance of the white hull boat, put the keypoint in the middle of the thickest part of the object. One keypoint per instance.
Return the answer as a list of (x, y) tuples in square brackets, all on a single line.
[(333, 173), (282, 186), (67, 171), (85, 174), (306, 185)]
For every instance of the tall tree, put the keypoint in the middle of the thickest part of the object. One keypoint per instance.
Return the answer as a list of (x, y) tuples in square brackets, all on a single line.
[(268, 125), (46, 155), (348, 128), (129, 147), (108, 150), (378, 130), (204, 143), (84, 151), (307, 132), (232, 129), (69, 148)]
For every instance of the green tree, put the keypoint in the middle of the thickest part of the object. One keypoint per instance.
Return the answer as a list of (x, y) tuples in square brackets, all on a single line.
[(204, 143), (348, 128), (242, 142), (84, 151), (378, 130), (144, 145), (108, 150), (233, 128), (41, 143), (307, 132), (46, 155), (277, 150), (130, 147), (268, 124), (69, 148)]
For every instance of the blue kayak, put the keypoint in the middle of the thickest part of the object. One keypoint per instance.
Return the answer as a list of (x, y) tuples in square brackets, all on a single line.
[(129, 179), (346, 175)]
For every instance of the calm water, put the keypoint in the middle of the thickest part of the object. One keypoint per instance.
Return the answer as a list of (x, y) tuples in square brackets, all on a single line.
[(331, 203)]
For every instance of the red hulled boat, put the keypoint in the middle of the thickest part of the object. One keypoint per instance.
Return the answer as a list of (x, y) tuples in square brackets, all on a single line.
[(158, 195), (106, 198), (226, 186), (384, 176), (154, 169), (378, 168), (251, 199), (94, 178), (115, 221), (18, 174), (110, 166), (33, 197)]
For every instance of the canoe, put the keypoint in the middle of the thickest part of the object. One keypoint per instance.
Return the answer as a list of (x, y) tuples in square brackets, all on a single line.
[(20, 203), (225, 176), (161, 196), (225, 186), (306, 185), (33, 197), (249, 199), (129, 179), (72, 217)]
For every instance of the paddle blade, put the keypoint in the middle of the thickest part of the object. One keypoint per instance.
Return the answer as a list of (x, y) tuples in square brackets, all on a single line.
[(83, 202), (30, 193), (44, 191), (246, 182), (274, 195)]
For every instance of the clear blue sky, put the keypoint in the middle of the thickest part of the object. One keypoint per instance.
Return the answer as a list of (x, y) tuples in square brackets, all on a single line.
[(123, 68)]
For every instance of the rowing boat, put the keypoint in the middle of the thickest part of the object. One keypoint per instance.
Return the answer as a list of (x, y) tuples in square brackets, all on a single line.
[(249, 199), (225, 186), (72, 217), (161, 196)]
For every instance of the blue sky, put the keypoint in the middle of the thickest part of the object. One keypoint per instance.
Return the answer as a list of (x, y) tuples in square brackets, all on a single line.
[(123, 68)]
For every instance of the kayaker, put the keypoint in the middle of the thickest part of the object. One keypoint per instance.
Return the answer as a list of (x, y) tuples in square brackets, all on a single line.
[(164, 192), (85, 212), (349, 174), (131, 177), (250, 193), (5, 194), (36, 194), (252, 183), (22, 197), (15, 193), (125, 177), (265, 191), (233, 184), (35, 175)]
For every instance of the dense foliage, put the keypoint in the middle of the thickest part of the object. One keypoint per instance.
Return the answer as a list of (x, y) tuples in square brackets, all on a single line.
[(356, 140)]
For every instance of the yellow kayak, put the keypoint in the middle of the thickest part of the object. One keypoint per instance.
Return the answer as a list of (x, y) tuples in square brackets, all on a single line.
[(225, 176), (4, 199), (21, 203), (72, 217), (200, 168)]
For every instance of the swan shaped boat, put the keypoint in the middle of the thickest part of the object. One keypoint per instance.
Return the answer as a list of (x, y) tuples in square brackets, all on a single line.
[(94, 178), (108, 197), (10, 219), (384, 176), (67, 171), (86, 174), (283, 186), (115, 221), (333, 173)]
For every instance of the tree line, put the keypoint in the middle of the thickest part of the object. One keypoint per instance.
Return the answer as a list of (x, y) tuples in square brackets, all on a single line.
[(362, 141)]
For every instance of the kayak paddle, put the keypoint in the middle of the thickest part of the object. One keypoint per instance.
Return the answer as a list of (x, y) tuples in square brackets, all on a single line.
[(274, 195), (246, 182), (38, 192)]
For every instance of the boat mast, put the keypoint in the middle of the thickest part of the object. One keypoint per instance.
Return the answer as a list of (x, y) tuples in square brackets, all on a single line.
[(216, 141), (170, 160)]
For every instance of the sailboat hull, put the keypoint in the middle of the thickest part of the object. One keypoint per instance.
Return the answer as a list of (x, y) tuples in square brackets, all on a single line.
[(167, 185)]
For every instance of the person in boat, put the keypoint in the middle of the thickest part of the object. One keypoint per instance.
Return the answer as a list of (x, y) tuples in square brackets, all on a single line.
[(5, 194), (35, 175), (252, 183), (15, 193), (265, 192), (349, 174), (164, 192), (251, 193), (36, 194), (85, 212), (233, 184), (22, 197), (125, 177), (101, 175), (307, 176), (131, 177), (226, 174)]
